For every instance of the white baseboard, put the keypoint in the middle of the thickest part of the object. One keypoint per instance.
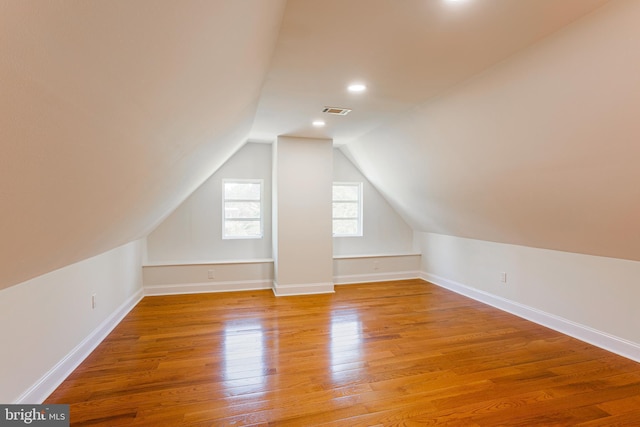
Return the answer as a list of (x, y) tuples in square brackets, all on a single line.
[(584, 333), (206, 287), (302, 289), (39, 391), (375, 277)]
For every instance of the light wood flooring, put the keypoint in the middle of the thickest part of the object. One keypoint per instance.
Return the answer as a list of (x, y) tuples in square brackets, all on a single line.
[(404, 353)]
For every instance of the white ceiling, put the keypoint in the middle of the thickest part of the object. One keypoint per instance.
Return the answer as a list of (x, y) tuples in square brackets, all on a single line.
[(541, 150), (405, 51), (112, 113)]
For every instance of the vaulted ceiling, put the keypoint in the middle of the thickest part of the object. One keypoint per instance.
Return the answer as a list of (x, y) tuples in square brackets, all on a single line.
[(113, 112), (510, 121), (407, 52)]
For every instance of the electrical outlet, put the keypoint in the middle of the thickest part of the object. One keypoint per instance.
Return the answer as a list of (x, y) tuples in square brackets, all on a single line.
[(503, 277), (93, 301), (211, 274)]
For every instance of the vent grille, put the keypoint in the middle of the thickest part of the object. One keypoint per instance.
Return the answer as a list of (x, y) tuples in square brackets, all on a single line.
[(336, 111)]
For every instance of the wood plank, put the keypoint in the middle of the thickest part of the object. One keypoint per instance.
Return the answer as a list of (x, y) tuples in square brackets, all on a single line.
[(393, 353)]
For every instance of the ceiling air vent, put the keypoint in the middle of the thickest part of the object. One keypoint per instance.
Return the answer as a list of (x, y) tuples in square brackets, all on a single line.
[(336, 110)]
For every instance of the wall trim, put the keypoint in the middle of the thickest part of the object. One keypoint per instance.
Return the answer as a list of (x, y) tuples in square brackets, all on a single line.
[(352, 279), (39, 391), (213, 262), (302, 289), (608, 342), (382, 255), (206, 287)]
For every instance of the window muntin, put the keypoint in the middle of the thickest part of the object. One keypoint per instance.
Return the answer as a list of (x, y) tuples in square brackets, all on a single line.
[(242, 209), (347, 209)]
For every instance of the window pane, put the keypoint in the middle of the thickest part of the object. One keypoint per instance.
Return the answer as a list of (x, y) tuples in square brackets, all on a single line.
[(242, 228), (345, 209), (242, 217), (242, 210), (345, 226), (346, 192), (242, 191)]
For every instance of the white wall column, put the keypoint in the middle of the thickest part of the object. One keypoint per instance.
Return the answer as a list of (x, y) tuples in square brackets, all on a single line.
[(302, 227)]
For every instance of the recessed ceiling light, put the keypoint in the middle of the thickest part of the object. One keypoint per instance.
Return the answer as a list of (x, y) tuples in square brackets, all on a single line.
[(318, 123), (356, 87)]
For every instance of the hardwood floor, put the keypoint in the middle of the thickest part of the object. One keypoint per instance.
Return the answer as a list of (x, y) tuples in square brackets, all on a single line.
[(396, 353)]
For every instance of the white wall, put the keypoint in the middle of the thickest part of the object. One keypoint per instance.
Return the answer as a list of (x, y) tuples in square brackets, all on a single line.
[(375, 268), (590, 297), (303, 250), (222, 276), (193, 232), (49, 326), (182, 250), (384, 231)]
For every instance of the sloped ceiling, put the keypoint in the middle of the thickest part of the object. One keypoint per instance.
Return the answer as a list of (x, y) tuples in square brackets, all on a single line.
[(405, 51), (501, 120), (113, 112), (541, 150)]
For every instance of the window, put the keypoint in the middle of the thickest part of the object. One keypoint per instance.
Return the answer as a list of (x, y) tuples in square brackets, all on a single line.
[(347, 209), (242, 209)]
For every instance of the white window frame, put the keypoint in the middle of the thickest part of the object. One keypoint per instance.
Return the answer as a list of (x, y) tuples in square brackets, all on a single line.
[(359, 219), (224, 201)]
